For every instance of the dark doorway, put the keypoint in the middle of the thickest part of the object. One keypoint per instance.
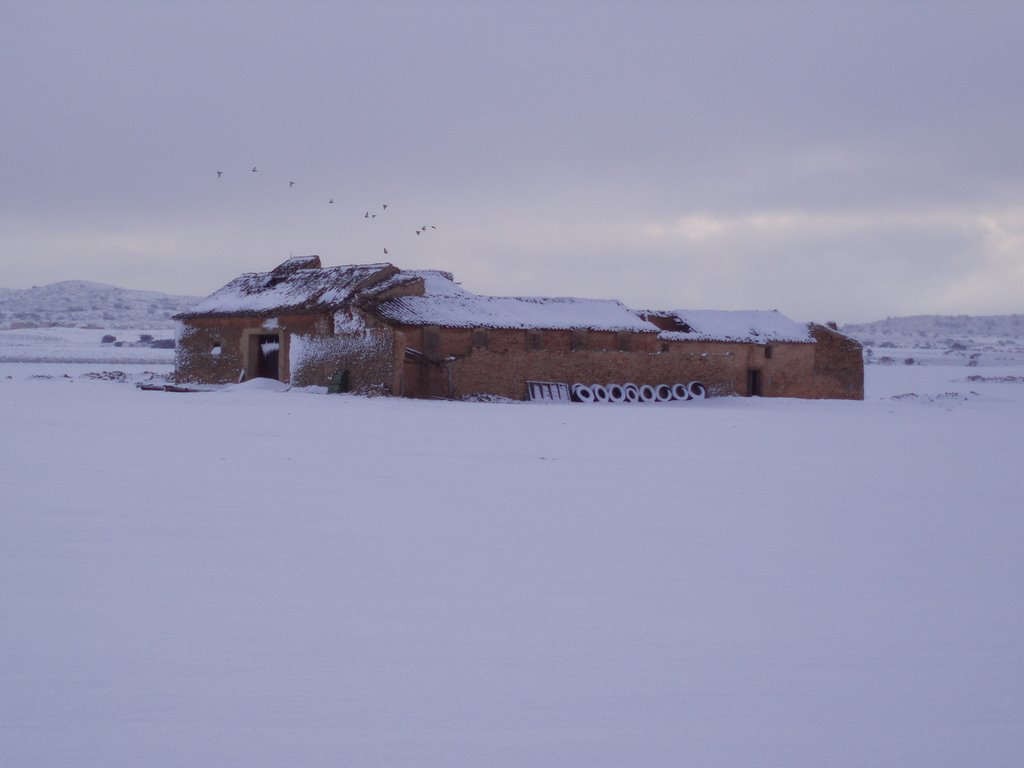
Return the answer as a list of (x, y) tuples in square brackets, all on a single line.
[(268, 356), (753, 382)]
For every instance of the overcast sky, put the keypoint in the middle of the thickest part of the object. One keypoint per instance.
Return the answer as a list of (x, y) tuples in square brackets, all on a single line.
[(843, 161)]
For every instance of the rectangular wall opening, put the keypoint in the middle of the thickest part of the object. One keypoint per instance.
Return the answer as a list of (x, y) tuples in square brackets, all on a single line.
[(268, 356), (753, 382)]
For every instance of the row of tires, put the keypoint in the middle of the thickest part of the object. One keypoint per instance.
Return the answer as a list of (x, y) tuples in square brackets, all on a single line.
[(637, 393)]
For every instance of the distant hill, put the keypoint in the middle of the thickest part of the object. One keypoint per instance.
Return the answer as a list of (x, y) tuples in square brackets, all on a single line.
[(942, 339), (82, 304), (937, 326)]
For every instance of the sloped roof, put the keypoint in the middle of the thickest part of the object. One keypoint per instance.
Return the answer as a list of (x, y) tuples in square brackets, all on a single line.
[(752, 325), (446, 304), (298, 285)]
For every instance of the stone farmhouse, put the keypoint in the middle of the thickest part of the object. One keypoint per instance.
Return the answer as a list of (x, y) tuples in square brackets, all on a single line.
[(417, 333)]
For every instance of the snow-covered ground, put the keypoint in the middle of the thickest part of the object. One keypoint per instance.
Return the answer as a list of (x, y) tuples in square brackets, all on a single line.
[(250, 577), (82, 345)]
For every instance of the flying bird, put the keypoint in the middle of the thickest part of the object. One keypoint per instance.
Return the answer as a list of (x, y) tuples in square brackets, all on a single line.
[(254, 169), (385, 206), (385, 251), (291, 184), (219, 174), (417, 232), (366, 215), (331, 200)]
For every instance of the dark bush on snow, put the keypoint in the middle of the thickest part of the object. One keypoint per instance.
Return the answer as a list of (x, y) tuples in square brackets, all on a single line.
[(108, 339)]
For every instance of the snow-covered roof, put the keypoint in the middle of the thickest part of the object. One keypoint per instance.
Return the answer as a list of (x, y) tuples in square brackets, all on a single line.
[(467, 310), (434, 282), (297, 285), (752, 325), (445, 303), (431, 297)]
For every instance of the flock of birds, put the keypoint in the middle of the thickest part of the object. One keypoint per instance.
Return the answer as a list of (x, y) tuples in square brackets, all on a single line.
[(368, 215)]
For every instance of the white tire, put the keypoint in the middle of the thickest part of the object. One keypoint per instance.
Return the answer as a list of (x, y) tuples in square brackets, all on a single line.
[(581, 393)]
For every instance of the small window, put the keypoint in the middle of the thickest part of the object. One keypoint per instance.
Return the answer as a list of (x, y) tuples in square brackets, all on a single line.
[(215, 348), (768, 352), (624, 341), (664, 346), (534, 340), (481, 338), (578, 340)]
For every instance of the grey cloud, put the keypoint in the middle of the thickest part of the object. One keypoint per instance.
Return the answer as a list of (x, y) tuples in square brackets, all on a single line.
[(545, 136)]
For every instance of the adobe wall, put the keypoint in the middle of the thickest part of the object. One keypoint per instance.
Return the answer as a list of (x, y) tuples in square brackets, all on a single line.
[(838, 365), (461, 363), (367, 354), (453, 362), (219, 350)]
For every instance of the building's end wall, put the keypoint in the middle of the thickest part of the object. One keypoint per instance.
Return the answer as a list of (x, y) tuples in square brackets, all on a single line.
[(838, 365)]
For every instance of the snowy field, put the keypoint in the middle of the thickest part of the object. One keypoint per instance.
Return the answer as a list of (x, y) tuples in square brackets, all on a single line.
[(254, 578), (57, 345)]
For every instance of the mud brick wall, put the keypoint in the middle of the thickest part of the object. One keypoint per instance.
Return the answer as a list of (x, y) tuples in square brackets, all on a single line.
[(463, 362), (838, 365), (368, 356), (456, 362), (196, 358)]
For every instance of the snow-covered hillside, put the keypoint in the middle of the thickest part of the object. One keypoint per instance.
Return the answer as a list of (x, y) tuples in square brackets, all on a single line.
[(936, 326), (80, 304), (251, 577), (942, 340)]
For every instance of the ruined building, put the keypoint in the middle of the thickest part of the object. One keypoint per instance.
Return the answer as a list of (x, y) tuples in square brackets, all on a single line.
[(417, 333)]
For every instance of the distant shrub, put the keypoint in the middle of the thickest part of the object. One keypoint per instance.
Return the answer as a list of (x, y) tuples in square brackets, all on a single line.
[(146, 337), (163, 344), (909, 361), (108, 339)]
